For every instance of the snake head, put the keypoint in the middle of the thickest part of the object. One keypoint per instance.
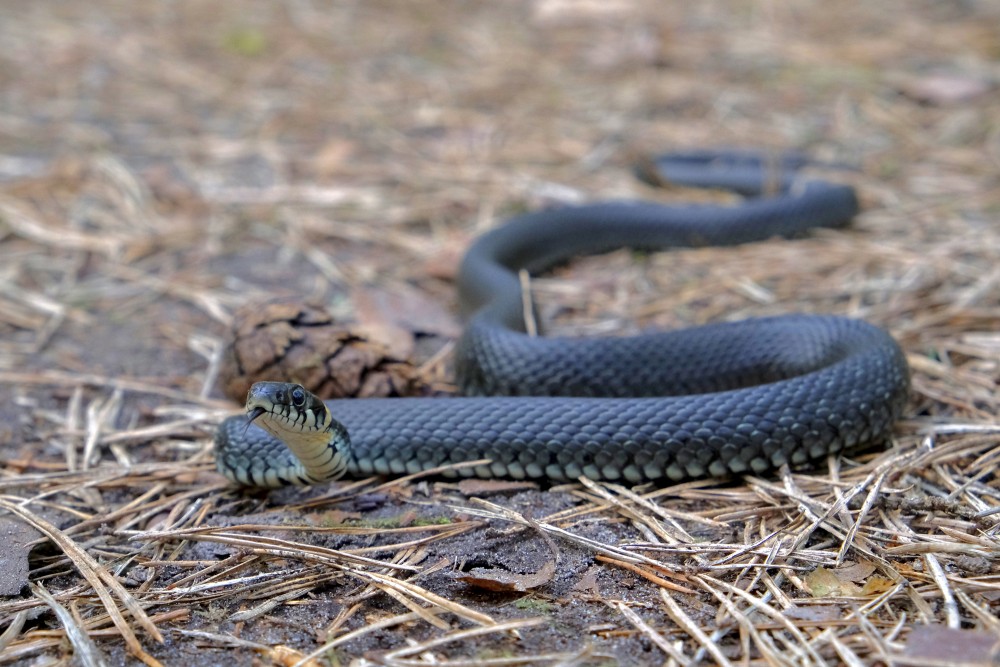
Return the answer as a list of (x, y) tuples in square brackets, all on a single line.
[(283, 408), (304, 424)]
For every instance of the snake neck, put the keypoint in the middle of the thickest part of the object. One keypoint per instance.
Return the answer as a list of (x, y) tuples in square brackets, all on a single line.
[(303, 422)]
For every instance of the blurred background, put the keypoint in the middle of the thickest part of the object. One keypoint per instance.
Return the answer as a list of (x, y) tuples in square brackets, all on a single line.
[(208, 151)]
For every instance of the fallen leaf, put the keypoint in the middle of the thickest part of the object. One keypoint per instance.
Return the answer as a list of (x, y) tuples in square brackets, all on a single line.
[(816, 613), (506, 581), (285, 656), (334, 518), (823, 582), (876, 586), (486, 487), (943, 89), (856, 572), (588, 582), (948, 647), (405, 307)]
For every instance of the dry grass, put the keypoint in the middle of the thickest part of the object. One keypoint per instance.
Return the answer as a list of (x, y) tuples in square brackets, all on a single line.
[(163, 165)]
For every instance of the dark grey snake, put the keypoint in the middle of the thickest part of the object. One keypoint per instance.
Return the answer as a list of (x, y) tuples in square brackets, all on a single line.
[(736, 397)]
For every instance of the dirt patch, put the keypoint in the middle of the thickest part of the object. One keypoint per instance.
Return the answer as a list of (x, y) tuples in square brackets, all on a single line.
[(162, 165)]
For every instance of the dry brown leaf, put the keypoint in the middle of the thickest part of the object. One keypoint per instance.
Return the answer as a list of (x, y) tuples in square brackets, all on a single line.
[(877, 585), (506, 581), (487, 487), (405, 307), (286, 656), (587, 583), (855, 572), (824, 582)]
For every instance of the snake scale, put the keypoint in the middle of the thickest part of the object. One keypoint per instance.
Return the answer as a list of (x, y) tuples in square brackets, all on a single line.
[(720, 399)]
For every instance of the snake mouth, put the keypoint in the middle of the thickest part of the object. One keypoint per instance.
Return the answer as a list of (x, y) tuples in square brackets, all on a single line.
[(253, 414)]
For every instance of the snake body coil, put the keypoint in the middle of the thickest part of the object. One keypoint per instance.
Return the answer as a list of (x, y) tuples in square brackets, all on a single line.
[(739, 397)]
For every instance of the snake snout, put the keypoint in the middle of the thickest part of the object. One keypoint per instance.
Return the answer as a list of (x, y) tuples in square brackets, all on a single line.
[(280, 395)]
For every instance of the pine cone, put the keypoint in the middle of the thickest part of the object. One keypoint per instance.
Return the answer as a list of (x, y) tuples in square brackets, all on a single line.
[(289, 341)]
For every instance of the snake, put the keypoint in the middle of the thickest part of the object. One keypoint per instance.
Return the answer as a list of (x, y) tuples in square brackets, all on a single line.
[(721, 399)]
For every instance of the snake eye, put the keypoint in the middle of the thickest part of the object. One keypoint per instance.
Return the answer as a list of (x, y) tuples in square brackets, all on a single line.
[(298, 396)]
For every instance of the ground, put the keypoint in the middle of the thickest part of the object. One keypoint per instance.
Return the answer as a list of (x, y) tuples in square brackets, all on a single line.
[(164, 164)]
